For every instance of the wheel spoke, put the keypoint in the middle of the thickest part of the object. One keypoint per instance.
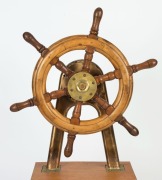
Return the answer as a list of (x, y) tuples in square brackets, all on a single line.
[(94, 35), (32, 102), (55, 94), (61, 66), (120, 119), (128, 126), (76, 114), (107, 77), (88, 58), (145, 65), (71, 136), (104, 105), (21, 105), (28, 37), (96, 22)]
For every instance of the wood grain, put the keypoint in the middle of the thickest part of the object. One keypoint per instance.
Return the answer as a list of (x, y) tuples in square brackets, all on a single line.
[(79, 42), (83, 171), (28, 37), (145, 65)]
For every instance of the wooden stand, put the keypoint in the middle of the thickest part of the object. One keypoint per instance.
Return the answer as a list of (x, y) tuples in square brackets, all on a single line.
[(84, 171)]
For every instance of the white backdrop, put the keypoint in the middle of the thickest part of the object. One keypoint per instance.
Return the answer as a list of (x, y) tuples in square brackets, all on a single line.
[(135, 27)]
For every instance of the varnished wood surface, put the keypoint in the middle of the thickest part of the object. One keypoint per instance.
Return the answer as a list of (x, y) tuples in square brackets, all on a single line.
[(75, 43), (91, 43), (83, 171), (28, 37)]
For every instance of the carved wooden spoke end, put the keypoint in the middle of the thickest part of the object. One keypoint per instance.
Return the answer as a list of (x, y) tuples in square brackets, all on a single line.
[(19, 106), (69, 146), (129, 127), (31, 40), (96, 22), (145, 65)]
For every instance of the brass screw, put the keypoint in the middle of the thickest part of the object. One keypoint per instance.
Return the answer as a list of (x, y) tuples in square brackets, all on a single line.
[(80, 97), (90, 94), (84, 75), (71, 90), (92, 82), (73, 79)]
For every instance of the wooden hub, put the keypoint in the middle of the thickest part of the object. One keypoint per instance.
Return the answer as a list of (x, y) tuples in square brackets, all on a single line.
[(82, 86)]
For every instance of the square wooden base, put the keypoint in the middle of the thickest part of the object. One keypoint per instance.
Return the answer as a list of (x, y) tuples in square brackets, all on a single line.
[(83, 171)]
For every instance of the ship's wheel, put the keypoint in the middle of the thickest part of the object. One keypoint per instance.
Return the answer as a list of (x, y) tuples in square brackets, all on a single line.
[(82, 86)]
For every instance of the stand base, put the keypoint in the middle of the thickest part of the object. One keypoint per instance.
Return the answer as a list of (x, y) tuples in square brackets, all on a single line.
[(83, 171)]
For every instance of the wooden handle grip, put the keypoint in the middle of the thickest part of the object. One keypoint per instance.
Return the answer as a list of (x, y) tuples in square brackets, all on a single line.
[(96, 21), (31, 40), (145, 65), (129, 127), (69, 146), (19, 106)]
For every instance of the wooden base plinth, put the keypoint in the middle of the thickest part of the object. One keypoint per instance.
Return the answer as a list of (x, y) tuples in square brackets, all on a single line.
[(83, 171)]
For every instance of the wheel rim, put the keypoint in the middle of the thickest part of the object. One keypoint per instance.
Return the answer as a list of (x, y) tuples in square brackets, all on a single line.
[(80, 42)]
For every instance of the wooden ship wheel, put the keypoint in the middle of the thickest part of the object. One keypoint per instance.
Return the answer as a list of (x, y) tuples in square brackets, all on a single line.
[(82, 83)]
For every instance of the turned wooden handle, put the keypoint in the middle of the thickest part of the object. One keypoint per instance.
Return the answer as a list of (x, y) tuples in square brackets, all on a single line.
[(18, 106), (145, 65), (31, 40), (104, 104), (69, 146), (129, 127), (55, 94), (76, 114), (109, 76), (88, 58), (64, 69), (96, 21)]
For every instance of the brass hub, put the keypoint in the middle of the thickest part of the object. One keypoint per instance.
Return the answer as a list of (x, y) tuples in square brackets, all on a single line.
[(82, 86)]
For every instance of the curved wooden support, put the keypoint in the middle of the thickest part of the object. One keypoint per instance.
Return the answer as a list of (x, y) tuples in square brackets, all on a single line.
[(129, 127), (96, 22), (31, 40), (109, 76), (62, 67), (145, 65), (69, 146), (19, 106), (55, 94)]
